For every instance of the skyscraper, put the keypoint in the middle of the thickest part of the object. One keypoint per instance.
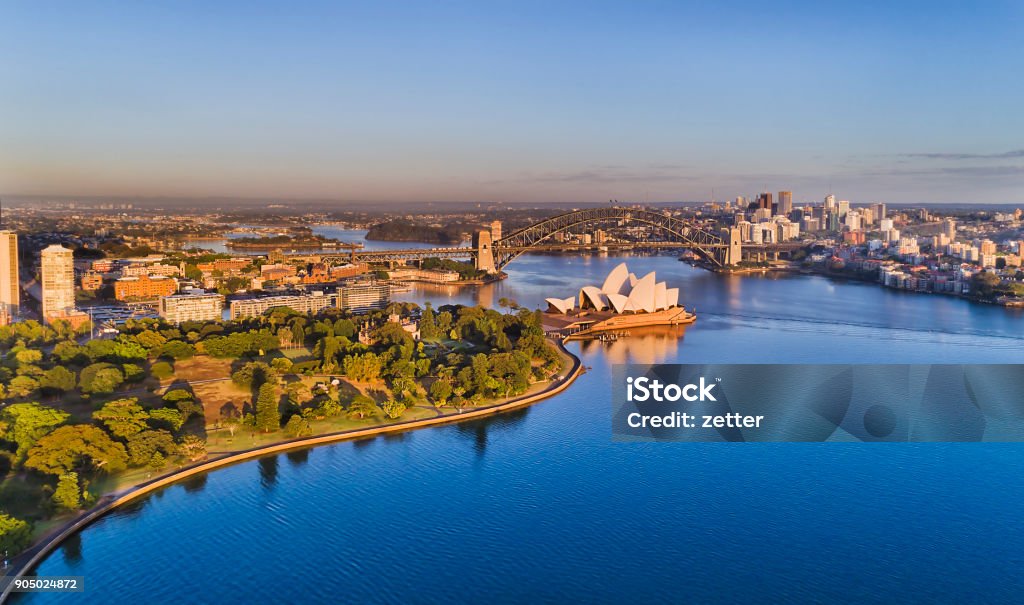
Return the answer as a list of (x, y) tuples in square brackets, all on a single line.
[(949, 229), (764, 200), (785, 202), (58, 268), (844, 207), (10, 293)]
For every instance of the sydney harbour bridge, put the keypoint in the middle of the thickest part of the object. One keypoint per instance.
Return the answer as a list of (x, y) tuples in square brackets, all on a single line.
[(715, 251)]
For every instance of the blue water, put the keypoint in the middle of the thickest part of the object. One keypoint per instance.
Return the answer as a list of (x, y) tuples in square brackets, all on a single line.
[(539, 505)]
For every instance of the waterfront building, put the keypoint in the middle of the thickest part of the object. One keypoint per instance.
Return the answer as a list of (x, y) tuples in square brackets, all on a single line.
[(10, 290), (192, 307), (435, 276), (622, 292), (311, 303), (361, 298), (144, 287), (58, 281)]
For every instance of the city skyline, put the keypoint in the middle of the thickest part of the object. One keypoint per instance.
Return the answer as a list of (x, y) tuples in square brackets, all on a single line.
[(903, 104)]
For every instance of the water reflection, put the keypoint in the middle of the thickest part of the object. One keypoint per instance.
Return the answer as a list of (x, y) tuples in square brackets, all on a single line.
[(652, 344), (480, 430), (298, 457), (268, 466), (196, 483), (72, 549)]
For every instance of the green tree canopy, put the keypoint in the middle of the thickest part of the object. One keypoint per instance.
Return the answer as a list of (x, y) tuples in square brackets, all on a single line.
[(100, 378), (142, 446), (57, 379), (122, 417), (68, 494), (267, 414), (76, 447), (26, 423), (15, 534)]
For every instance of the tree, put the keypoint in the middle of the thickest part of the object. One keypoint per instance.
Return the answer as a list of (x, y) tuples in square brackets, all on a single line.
[(253, 374), (297, 426), (22, 386), (184, 401), (428, 325), (74, 448), (267, 416), (68, 494), (100, 378), (329, 408), (362, 406), (169, 417), (157, 462), (193, 447), (15, 534), (122, 417), (393, 409), (57, 380), (26, 423), (362, 368), (142, 446), (162, 370), (176, 350), (440, 391)]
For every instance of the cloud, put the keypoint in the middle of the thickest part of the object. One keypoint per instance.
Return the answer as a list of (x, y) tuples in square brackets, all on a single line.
[(1016, 153), (956, 171)]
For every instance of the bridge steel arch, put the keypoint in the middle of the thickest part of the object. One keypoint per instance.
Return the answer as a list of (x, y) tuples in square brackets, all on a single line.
[(707, 245)]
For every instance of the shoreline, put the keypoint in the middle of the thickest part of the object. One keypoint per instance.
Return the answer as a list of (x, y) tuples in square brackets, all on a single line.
[(29, 559)]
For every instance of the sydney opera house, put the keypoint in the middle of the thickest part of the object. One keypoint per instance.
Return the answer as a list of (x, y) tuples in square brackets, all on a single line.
[(623, 300)]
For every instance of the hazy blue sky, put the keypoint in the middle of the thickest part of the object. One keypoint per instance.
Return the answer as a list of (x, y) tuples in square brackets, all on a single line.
[(514, 101)]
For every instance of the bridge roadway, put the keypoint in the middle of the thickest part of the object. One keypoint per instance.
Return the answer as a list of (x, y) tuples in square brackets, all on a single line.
[(464, 252)]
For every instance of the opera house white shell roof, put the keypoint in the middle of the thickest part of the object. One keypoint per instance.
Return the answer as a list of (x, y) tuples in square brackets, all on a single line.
[(621, 292)]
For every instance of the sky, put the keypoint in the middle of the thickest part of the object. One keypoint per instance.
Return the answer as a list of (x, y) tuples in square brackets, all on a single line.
[(519, 101)]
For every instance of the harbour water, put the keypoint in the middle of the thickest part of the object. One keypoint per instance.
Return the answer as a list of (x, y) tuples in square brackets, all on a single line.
[(540, 505)]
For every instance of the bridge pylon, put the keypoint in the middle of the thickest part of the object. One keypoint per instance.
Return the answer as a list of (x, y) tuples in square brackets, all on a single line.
[(732, 253), (484, 251)]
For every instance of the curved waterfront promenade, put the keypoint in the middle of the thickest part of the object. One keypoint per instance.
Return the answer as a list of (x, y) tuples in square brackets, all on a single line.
[(29, 559)]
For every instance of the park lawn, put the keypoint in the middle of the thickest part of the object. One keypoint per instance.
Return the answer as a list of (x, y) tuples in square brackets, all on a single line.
[(219, 440), (201, 367), (294, 353), (217, 397)]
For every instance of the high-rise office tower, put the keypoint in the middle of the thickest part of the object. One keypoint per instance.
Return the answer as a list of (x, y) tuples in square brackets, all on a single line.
[(785, 202), (58, 268), (879, 211), (10, 293), (764, 201), (830, 202), (844, 207)]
